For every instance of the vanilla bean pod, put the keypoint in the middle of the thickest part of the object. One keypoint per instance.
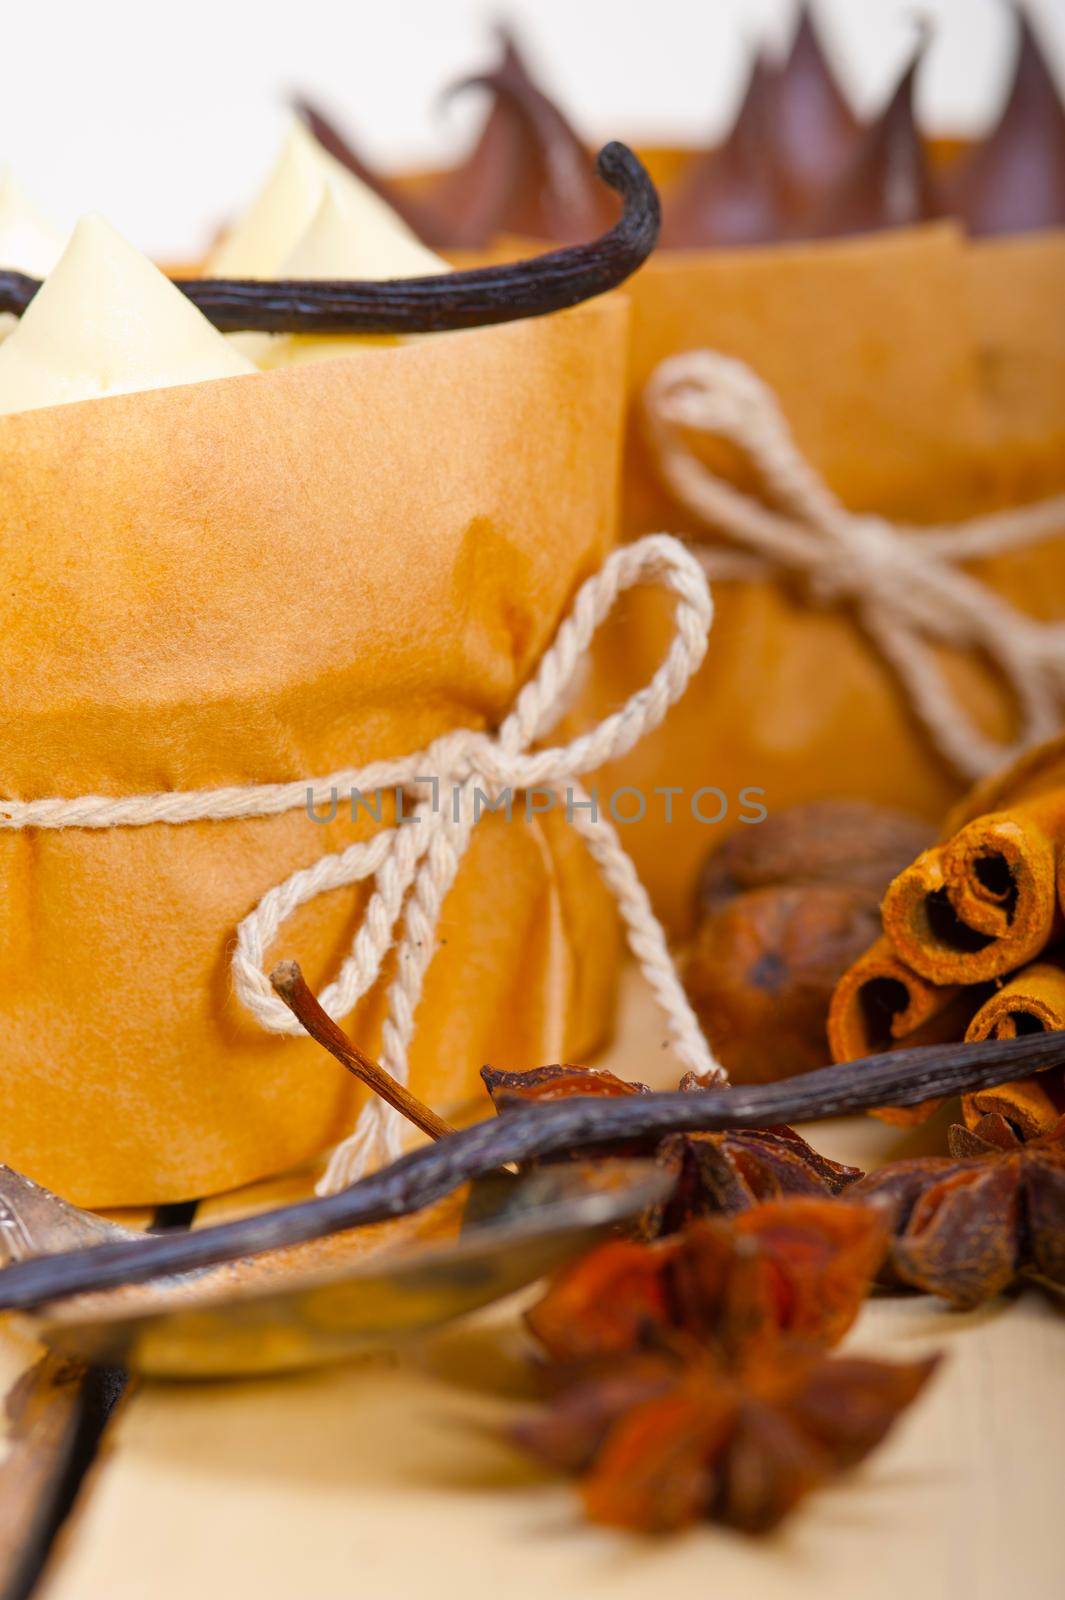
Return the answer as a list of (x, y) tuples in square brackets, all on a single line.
[(483, 295), (899, 1077)]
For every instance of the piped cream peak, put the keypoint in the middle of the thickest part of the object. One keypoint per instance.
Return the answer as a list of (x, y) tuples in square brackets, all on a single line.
[(106, 321), (261, 243), (342, 241), (347, 241), (28, 241)]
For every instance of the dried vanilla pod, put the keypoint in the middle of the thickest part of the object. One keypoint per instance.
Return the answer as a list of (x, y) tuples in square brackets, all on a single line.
[(713, 1173), (783, 910), (479, 297), (533, 1133)]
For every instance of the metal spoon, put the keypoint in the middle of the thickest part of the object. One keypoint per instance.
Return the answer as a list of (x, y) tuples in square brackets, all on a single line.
[(290, 1308)]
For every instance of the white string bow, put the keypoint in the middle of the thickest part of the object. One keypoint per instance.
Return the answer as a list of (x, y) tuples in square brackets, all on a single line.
[(414, 864), (903, 581)]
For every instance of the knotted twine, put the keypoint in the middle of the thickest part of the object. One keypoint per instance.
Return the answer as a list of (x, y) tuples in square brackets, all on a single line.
[(414, 864), (902, 581)]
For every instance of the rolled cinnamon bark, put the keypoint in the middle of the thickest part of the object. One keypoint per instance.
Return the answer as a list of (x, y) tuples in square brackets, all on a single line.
[(985, 902), (880, 1003), (1026, 1109), (1033, 1001)]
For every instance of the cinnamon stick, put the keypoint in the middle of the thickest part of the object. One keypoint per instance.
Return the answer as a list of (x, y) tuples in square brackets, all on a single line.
[(1033, 1001), (987, 901), (880, 1003)]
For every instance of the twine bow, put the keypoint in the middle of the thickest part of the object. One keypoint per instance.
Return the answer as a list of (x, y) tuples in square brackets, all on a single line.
[(903, 581), (414, 864)]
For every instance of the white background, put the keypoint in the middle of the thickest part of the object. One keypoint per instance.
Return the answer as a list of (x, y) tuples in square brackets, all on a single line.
[(164, 114)]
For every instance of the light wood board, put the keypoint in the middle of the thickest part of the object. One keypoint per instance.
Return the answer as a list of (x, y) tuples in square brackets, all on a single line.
[(391, 1478)]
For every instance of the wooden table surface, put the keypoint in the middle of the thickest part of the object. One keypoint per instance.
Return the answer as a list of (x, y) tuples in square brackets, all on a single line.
[(389, 1477)]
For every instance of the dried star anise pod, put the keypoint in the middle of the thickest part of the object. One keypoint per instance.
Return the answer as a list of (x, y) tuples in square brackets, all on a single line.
[(714, 1172), (658, 1448), (969, 1225), (558, 1082), (691, 1377), (796, 1269)]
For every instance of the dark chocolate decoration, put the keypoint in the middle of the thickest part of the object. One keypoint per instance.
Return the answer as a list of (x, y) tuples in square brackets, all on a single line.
[(484, 295), (889, 183), (530, 172), (898, 1077), (733, 195), (469, 201), (1014, 180), (815, 131)]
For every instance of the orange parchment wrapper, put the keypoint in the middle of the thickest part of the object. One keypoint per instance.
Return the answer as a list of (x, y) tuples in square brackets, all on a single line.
[(258, 580), (1016, 292), (924, 377)]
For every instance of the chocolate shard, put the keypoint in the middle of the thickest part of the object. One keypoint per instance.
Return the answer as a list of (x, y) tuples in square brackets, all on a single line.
[(529, 173), (815, 131), (329, 136), (1014, 180), (732, 195), (889, 183), (468, 202)]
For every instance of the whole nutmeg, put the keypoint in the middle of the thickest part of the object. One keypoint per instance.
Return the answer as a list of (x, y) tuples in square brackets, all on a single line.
[(783, 909)]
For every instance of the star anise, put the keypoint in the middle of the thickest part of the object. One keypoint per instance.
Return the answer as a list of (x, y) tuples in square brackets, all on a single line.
[(988, 1216), (796, 1269), (715, 1172), (658, 1449), (692, 1379)]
